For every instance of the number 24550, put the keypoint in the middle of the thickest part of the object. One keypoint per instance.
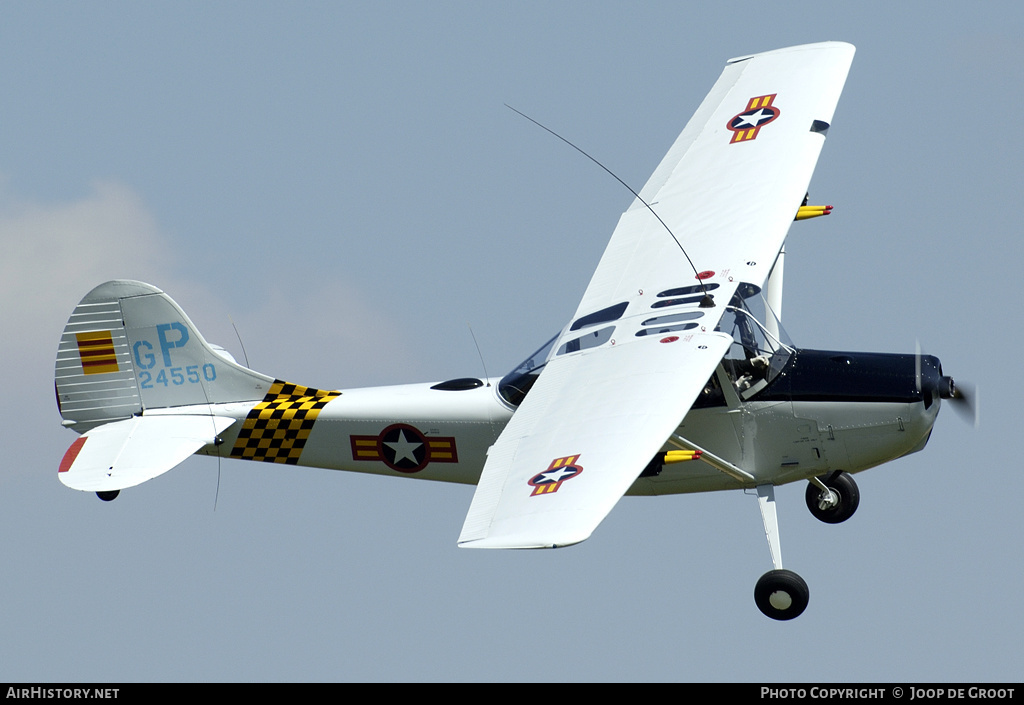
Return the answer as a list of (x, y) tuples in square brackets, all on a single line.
[(191, 374)]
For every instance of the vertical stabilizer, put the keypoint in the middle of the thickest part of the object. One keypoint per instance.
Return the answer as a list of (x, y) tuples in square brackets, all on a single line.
[(128, 347)]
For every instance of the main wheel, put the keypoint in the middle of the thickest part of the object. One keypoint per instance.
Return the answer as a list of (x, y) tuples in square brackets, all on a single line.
[(109, 495), (781, 594), (849, 497)]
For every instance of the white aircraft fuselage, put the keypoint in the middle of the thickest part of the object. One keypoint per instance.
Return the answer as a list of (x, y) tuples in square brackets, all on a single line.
[(825, 411)]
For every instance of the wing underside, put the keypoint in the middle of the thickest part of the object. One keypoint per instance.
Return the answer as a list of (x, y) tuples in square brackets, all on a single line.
[(571, 450)]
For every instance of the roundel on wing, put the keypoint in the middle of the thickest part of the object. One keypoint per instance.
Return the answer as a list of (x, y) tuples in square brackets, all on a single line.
[(758, 113), (560, 470)]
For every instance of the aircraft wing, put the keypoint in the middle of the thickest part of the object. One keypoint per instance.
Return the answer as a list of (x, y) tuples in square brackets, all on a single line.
[(580, 438), (640, 349), (127, 453), (732, 182)]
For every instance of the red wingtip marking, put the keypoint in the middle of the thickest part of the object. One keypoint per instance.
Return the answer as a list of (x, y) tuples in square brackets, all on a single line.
[(69, 457)]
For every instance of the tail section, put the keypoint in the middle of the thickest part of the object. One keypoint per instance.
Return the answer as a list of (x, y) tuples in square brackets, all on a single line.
[(128, 348)]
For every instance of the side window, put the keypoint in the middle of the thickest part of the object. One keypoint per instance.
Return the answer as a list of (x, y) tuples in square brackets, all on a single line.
[(589, 340), (605, 315)]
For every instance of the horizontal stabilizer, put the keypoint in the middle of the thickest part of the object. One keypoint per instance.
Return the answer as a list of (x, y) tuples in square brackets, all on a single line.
[(127, 453)]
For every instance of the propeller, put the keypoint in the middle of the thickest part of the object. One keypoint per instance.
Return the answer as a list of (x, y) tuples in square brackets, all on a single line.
[(965, 402), (963, 397)]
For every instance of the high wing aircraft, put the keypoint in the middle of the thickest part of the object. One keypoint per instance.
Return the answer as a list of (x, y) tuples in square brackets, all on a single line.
[(674, 375)]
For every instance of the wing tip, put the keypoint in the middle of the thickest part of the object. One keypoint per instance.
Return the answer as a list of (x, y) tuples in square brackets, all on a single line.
[(71, 455), (519, 543), (846, 46)]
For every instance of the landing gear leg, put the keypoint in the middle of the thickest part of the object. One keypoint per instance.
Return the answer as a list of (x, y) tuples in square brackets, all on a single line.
[(780, 594)]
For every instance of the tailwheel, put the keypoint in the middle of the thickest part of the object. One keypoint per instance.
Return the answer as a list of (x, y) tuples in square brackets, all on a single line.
[(833, 499), (781, 594)]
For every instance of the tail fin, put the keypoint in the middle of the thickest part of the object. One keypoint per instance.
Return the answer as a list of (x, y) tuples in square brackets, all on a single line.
[(128, 347)]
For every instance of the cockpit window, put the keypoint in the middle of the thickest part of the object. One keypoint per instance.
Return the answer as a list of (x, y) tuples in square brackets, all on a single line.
[(687, 290), (588, 340), (514, 386), (673, 318), (678, 327), (612, 313), (664, 303), (759, 350)]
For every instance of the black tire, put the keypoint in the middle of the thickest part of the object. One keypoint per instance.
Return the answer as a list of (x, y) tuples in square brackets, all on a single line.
[(849, 498), (781, 594), (108, 496)]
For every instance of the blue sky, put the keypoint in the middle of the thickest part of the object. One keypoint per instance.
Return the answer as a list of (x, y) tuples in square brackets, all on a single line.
[(343, 183)]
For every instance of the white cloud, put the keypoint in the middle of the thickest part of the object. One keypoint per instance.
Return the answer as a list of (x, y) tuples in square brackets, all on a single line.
[(319, 332), (53, 254)]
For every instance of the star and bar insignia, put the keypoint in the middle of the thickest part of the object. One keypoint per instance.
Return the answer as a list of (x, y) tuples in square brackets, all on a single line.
[(560, 470), (758, 113), (404, 448)]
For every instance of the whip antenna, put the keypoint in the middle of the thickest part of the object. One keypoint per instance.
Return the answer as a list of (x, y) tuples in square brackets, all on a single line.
[(707, 301), (238, 335), (482, 363)]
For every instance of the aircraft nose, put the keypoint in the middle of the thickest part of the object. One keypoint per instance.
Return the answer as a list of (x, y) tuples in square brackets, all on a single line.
[(933, 383), (946, 388)]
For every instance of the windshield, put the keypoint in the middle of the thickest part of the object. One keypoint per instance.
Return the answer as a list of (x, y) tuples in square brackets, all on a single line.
[(760, 349), (514, 386)]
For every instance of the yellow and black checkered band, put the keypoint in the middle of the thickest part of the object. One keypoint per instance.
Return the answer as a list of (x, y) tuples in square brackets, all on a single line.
[(276, 429)]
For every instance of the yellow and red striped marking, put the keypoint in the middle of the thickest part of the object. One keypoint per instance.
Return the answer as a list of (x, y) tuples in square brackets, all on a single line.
[(96, 350)]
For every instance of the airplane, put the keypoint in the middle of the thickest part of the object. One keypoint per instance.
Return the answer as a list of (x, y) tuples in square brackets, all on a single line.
[(673, 376)]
